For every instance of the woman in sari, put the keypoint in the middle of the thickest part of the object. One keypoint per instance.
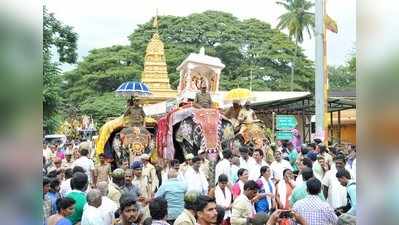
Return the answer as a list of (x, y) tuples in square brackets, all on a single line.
[(238, 187), (267, 191), (284, 190)]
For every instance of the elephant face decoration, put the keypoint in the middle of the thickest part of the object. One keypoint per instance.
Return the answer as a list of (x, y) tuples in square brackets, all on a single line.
[(136, 140)]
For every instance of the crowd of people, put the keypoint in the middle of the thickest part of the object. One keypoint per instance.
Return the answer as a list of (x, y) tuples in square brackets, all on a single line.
[(278, 184)]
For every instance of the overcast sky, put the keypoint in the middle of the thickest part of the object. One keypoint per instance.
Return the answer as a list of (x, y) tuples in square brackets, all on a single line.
[(106, 23)]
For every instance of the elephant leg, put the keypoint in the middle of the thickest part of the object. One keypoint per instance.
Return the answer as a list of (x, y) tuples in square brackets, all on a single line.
[(114, 162), (124, 156)]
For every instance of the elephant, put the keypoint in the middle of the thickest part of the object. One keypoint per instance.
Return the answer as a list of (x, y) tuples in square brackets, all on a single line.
[(253, 134), (190, 137), (127, 144)]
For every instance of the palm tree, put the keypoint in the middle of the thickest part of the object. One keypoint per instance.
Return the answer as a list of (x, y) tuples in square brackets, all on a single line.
[(296, 20)]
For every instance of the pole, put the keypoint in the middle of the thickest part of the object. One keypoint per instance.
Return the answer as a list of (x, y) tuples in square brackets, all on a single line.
[(325, 84), (250, 80), (303, 121), (273, 116), (320, 103), (339, 127), (292, 76), (331, 127)]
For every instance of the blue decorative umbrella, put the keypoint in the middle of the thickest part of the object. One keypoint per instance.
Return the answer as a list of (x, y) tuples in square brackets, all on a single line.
[(133, 89)]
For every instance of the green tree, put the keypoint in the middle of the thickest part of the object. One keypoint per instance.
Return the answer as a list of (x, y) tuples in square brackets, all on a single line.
[(296, 20), (242, 45), (103, 106), (63, 39), (102, 71), (343, 77)]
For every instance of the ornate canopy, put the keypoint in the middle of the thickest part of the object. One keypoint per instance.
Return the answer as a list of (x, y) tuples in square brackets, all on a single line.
[(197, 70)]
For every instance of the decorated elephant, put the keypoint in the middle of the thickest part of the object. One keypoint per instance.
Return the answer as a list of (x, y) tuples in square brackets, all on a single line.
[(134, 141), (190, 130), (190, 137), (248, 128), (253, 134), (120, 143)]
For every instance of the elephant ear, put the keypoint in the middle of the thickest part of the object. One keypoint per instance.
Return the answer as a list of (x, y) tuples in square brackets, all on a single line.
[(151, 146), (197, 135), (185, 132), (151, 142)]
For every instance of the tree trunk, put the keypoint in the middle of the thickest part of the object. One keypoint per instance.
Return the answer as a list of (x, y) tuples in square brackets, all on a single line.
[(293, 66)]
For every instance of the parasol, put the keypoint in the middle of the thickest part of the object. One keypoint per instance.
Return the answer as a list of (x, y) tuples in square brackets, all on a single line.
[(238, 94), (133, 89)]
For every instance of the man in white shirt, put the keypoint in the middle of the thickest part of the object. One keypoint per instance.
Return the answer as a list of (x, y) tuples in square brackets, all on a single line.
[(195, 179), (223, 195), (255, 165), (224, 166), (235, 166), (47, 153), (351, 161), (187, 164), (204, 163), (149, 172), (65, 186), (91, 212), (174, 164), (303, 163), (244, 158), (242, 209), (352, 169), (320, 167), (324, 152), (67, 162), (333, 191), (84, 162), (279, 166), (108, 207)]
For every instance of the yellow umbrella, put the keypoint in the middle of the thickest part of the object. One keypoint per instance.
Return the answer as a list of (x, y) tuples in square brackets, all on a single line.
[(238, 94)]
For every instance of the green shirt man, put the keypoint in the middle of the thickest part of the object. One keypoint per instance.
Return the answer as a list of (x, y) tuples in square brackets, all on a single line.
[(300, 192), (293, 156), (80, 201)]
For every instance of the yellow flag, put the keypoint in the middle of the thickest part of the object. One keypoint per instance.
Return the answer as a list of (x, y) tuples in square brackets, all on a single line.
[(330, 24)]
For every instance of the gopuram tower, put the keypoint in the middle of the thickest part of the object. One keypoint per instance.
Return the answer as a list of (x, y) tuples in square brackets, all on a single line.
[(155, 73)]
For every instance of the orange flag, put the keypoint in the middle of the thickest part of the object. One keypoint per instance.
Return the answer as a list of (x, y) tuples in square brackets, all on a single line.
[(330, 24)]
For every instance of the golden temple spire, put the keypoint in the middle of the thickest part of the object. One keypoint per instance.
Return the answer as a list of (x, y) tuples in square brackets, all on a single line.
[(155, 73)]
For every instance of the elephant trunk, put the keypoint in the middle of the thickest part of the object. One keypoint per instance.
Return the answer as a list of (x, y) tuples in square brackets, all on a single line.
[(211, 172)]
